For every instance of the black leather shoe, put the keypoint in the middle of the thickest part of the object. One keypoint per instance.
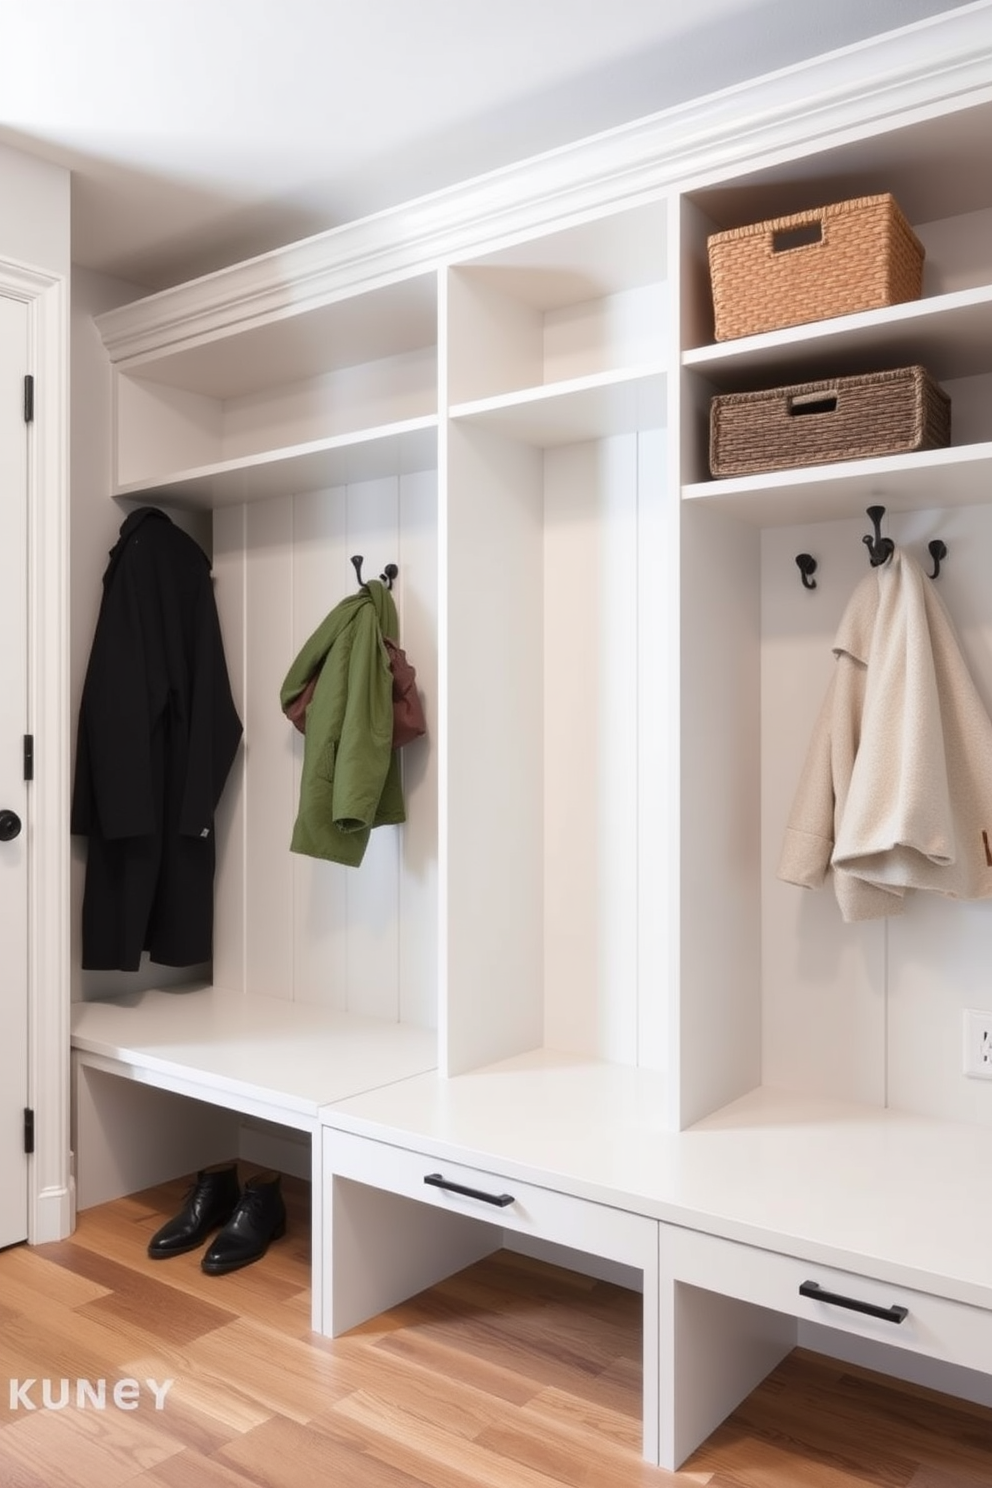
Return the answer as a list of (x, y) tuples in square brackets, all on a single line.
[(210, 1202), (259, 1218)]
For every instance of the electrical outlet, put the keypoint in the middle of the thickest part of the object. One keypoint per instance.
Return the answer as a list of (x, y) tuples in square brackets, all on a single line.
[(978, 1044)]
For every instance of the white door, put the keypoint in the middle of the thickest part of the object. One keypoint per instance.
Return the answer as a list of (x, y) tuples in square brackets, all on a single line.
[(14, 834)]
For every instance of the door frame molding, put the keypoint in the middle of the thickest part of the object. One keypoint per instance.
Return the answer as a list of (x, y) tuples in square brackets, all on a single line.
[(50, 1196)]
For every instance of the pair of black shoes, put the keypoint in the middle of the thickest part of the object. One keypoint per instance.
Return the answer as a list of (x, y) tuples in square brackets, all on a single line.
[(250, 1218)]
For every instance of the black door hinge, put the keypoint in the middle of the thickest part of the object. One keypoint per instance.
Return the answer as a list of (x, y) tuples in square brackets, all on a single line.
[(28, 1129), (29, 399), (29, 756)]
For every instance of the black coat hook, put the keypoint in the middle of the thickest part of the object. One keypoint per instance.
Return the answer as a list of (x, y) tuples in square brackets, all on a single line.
[(938, 552), (807, 568), (387, 576), (880, 548)]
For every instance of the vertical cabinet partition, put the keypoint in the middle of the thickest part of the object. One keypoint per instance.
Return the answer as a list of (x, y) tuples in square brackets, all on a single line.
[(555, 454)]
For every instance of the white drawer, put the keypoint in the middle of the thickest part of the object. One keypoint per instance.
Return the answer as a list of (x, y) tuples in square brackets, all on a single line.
[(879, 1310), (488, 1195)]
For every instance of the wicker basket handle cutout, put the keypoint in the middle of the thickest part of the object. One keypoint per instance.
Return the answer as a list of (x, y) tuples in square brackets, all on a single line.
[(811, 403), (807, 234)]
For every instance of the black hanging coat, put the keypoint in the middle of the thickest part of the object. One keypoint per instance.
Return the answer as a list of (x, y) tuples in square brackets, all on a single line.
[(158, 733)]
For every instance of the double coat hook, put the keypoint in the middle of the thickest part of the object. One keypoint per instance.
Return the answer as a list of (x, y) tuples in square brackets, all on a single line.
[(880, 548), (387, 576)]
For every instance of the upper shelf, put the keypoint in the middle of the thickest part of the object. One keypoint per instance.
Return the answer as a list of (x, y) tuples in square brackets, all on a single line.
[(949, 334), (959, 476), (370, 454), (578, 409)]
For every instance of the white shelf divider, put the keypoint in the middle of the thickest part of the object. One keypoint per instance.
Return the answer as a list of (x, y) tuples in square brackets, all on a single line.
[(949, 334), (367, 454), (959, 476), (593, 407)]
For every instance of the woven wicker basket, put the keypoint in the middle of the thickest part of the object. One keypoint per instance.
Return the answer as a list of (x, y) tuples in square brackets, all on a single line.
[(855, 255), (815, 423)]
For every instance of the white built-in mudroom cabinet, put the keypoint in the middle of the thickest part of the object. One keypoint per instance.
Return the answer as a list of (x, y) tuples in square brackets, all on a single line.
[(569, 1004)]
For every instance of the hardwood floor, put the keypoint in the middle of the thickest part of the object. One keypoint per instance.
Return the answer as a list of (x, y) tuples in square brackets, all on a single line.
[(512, 1374)]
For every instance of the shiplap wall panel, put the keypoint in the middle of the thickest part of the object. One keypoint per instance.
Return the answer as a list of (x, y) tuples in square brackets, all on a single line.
[(823, 995), (372, 521), (590, 759), (362, 940), (657, 825), (719, 1024), (870, 1012), (416, 599), (938, 949), (270, 768), (322, 576), (229, 883), (492, 815)]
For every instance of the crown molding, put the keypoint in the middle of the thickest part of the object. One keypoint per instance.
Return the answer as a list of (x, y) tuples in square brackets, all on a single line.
[(942, 61)]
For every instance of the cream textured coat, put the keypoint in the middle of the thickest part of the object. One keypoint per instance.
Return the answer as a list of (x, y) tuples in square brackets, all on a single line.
[(896, 792)]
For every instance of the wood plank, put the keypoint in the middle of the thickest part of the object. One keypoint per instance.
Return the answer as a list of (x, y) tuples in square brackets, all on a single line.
[(76, 1448), (52, 1346), (520, 1338), (138, 1299), (411, 1343), (576, 1459), (318, 1455), (29, 1281), (276, 1293), (192, 1470), (556, 1408), (838, 1424), (283, 1374)]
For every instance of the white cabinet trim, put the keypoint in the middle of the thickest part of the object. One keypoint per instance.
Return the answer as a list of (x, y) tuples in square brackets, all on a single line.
[(50, 1197)]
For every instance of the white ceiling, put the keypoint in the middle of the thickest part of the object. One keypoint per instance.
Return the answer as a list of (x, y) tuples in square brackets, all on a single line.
[(203, 131)]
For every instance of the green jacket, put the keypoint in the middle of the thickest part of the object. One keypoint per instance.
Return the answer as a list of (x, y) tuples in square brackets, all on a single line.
[(351, 773)]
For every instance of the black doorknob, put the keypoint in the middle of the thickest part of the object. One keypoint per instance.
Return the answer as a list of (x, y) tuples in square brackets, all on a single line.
[(10, 826)]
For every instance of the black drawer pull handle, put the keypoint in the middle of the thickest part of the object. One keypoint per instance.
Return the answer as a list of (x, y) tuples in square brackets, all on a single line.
[(889, 1314), (437, 1180)]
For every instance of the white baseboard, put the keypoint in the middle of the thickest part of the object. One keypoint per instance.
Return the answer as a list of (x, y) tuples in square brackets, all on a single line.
[(53, 1214)]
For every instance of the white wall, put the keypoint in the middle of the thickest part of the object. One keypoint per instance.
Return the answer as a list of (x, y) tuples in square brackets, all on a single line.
[(34, 212)]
